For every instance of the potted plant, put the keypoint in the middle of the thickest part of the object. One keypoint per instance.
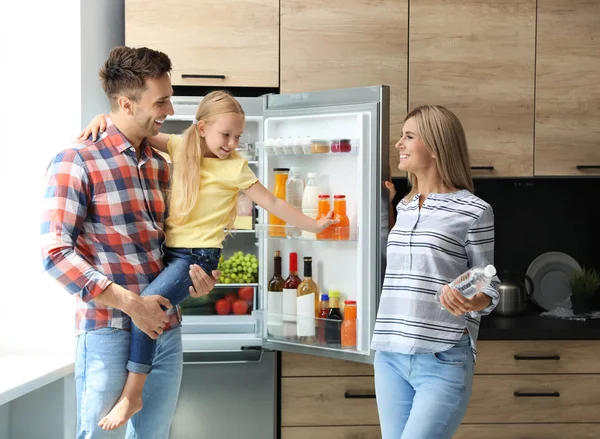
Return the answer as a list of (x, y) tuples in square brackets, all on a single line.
[(585, 287)]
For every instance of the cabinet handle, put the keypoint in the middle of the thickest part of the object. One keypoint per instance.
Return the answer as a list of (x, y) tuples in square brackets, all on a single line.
[(537, 358), (350, 395), (482, 168), (191, 76), (584, 167), (536, 394)]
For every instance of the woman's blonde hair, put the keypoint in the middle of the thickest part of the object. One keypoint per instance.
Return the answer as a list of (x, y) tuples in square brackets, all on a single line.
[(443, 135), (187, 157)]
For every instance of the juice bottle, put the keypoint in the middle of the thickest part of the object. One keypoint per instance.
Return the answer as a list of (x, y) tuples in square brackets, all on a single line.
[(281, 175), (341, 230), (349, 325), (323, 313), (324, 208)]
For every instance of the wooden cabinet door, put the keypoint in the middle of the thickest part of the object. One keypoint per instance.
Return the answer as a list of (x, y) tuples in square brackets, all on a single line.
[(477, 59), (567, 114), (347, 43), (233, 42)]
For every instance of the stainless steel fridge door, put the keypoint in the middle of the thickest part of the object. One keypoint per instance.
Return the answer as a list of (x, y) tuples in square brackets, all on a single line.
[(355, 266), (227, 395)]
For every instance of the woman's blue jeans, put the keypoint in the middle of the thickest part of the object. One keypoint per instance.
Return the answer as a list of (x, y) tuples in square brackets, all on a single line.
[(423, 396), (173, 283)]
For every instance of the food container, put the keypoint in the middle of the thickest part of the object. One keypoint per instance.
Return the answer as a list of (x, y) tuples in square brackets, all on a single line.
[(319, 146), (298, 145), (288, 146), (341, 145), (247, 151), (306, 145)]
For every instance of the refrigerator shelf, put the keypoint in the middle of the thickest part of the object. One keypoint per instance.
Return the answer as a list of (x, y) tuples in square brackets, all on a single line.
[(314, 147), (289, 232), (303, 330), (235, 285)]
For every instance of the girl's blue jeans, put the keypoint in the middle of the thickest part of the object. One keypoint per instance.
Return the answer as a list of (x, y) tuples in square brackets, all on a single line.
[(423, 396), (173, 283)]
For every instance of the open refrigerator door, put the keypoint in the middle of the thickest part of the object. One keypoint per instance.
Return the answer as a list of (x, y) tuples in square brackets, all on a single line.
[(324, 151)]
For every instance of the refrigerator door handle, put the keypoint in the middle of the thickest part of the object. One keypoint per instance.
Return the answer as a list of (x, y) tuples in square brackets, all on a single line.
[(223, 357)]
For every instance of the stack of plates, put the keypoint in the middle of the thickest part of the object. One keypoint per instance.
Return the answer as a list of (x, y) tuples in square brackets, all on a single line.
[(550, 273)]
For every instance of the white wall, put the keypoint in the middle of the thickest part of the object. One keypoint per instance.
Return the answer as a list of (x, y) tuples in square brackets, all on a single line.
[(45, 83)]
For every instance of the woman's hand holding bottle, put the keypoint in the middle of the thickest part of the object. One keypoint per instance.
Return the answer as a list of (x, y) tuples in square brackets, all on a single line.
[(322, 223)]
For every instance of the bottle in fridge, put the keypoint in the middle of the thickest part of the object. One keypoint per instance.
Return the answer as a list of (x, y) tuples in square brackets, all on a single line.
[(307, 303), (281, 176), (324, 209), (341, 230), (275, 296), (333, 323), (290, 292), (310, 201), (294, 191)]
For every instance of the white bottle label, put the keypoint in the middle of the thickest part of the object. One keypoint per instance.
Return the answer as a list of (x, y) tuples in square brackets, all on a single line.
[(289, 312), (306, 315), (274, 307)]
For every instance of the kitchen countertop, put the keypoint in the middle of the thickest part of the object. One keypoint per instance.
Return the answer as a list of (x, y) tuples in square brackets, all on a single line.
[(530, 326), (24, 372)]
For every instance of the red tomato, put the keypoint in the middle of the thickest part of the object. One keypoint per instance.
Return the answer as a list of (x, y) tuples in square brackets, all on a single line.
[(223, 307), (240, 307), (230, 297), (246, 293)]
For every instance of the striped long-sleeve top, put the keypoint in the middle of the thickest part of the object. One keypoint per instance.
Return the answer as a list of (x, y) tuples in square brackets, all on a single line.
[(428, 248)]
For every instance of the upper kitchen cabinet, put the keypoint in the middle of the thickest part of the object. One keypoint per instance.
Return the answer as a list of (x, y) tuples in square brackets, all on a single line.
[(233, 43), (347, 43), (567, 128), (477, 58)]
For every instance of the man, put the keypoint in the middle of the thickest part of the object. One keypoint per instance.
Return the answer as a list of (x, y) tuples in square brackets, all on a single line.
[(102, 229)]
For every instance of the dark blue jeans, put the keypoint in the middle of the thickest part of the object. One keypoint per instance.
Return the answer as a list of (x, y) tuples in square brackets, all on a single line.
[(173, 283)]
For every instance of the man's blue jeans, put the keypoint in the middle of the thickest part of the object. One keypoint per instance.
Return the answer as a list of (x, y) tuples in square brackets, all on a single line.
[(173, 283), (100, 376), (423, 396)]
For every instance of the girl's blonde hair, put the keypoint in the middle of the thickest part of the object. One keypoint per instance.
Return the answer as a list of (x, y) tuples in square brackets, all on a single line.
[(187, 158), (443, 135)]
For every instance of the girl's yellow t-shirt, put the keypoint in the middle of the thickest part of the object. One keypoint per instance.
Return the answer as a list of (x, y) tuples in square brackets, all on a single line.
[(220, 181)]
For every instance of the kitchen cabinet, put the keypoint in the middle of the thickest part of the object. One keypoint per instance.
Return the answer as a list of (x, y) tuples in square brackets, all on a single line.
[(326, 398), (535, 389), (211, 43), (477, 59), (567, 127), (338, 44)]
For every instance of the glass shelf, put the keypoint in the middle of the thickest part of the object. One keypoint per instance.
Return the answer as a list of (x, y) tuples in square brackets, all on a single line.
[(314, 147), (237, 285), (301, 330), (336, 234)]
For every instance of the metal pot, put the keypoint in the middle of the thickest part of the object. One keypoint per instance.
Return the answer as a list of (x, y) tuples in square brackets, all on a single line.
[(514, 295)]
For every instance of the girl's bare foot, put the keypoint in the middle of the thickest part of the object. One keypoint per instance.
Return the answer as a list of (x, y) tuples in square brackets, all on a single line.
[(129, 403), (121, 412)]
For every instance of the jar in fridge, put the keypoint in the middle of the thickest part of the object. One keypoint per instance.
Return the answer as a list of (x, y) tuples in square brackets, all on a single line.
[(324, 209), (348, 329), (319, 146), (281, 175), (341, 230), (341, 145)]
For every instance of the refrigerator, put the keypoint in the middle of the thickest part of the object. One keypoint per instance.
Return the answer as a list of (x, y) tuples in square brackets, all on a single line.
[(299, 131)]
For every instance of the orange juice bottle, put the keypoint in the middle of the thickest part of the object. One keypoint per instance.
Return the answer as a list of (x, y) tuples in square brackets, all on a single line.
[(281, 175), (324, 207), (341, 230)]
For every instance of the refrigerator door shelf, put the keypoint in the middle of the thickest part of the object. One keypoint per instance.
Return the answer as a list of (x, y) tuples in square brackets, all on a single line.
[(308, 147), (267, 231)]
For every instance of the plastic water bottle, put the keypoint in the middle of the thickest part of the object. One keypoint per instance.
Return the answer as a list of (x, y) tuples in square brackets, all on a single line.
[(471, 281), (293, 193)]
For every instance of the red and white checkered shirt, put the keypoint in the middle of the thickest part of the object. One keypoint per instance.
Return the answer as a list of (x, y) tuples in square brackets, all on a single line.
[(103, 221)]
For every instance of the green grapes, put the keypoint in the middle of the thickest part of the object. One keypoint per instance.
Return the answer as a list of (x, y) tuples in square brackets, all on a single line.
[(238, 268)]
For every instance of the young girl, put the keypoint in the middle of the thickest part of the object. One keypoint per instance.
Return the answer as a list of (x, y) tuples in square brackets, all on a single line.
[(425, 354), (207, 175)]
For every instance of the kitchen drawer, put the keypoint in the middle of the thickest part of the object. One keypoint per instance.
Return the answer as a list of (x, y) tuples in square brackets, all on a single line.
[(525, 431), (328, 401), (354, 432), (545, 398), (538, 357), (299, 365)]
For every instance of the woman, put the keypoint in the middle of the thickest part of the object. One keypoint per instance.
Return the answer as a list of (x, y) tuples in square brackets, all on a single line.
[(426, 350)]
